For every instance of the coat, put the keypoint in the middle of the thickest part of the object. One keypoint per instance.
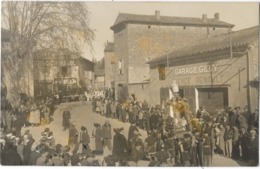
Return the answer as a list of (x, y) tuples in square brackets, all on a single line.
[(252, 147), (65, 118), (34, 156), (137, 148), (98, 134), (84, 138), (11, 157), (242, 122), (106, 130), (27, 152), (19, 150), (131, 134), (120, 148), (73, 135)]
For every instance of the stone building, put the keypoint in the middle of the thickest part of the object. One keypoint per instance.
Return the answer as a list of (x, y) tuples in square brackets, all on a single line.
[(215, 72), (99, 74), (140, 38), (109, 59)]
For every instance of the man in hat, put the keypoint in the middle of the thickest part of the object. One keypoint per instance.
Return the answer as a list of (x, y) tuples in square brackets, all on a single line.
[(66, 119), (84, 140), (252, 147), (120, 147), (131, 134), (98, 135), (73, 136), (107, 135), (244, 135), (137, 147), (35, 155), (9, 155)]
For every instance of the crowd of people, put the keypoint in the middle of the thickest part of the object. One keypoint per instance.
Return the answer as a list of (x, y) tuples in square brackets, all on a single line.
[(229, 132), (232, 133)]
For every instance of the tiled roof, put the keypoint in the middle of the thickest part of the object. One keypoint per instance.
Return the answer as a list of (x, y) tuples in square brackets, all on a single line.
[(109, 47), (138, 75), (211, 44), (167, 20)]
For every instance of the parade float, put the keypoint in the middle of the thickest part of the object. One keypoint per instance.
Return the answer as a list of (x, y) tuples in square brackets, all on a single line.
[(184, 120)]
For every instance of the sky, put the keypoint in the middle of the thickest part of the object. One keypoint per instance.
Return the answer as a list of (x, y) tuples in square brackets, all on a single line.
[(103, 15)]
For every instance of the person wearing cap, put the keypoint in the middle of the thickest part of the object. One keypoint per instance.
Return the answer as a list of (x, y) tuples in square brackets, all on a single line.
[(137, 147), (84, 139), (252, 147), (98, 135), (120, 146)]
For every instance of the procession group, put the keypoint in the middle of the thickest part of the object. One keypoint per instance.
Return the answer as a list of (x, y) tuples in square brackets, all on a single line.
[(232, 133)]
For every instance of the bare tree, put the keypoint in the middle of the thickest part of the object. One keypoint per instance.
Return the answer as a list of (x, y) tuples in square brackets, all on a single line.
[(40, 26)]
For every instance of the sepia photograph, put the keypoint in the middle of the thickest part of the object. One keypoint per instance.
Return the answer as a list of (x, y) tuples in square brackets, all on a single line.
[(136, 84)]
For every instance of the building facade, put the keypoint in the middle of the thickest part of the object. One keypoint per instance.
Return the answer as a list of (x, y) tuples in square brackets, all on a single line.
[(140, 38), (109, 59), (99, 74), (215, 72), (61, 71)]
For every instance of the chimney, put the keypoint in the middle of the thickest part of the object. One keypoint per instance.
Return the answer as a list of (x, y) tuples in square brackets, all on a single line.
[(204, 17), (216, 16), (157, 15)]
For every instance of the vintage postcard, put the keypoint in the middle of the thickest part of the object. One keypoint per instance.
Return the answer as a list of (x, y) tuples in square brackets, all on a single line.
[(129, 84)]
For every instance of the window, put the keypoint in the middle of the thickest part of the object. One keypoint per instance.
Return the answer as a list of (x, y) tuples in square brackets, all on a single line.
[(161, 71), (66, 71), (120, 67)]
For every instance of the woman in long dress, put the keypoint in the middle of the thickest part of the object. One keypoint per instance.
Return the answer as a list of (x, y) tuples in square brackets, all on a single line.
[(34, 118)]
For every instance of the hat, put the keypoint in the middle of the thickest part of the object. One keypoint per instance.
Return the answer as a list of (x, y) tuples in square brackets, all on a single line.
[(170, 135), (187, 135), (118, 130), (96, 125), (83, 128)]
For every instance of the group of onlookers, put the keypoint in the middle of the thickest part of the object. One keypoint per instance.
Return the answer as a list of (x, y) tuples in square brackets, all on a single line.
[(13, 118)]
